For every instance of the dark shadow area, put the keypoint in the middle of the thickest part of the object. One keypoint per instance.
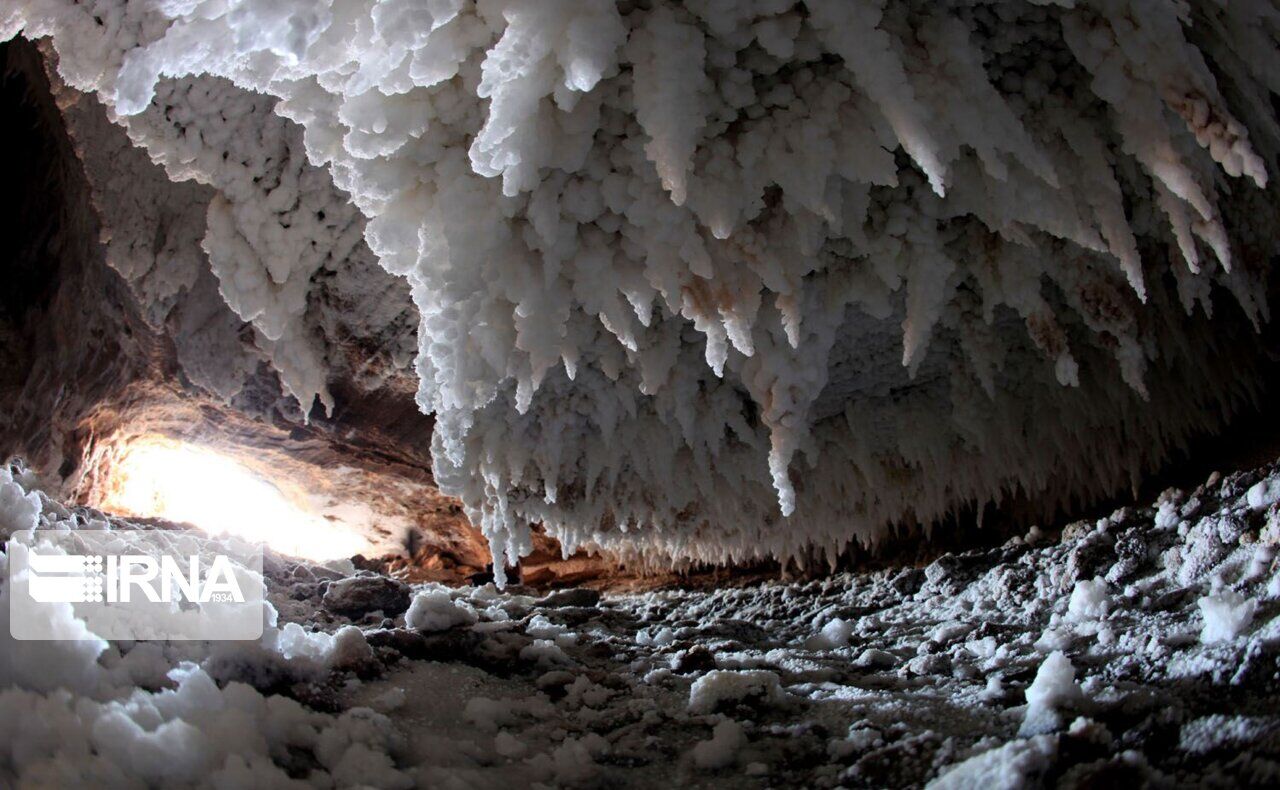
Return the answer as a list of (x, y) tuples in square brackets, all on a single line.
[(32, 217)]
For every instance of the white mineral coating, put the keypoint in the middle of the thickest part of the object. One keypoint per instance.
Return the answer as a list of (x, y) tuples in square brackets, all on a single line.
[(854, 261)]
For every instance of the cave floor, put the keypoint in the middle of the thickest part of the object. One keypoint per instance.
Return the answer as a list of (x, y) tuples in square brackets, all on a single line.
[(898, 677), (1143, 648)]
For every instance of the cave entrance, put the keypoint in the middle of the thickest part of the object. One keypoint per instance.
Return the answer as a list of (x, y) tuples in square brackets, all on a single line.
[(158, 477)]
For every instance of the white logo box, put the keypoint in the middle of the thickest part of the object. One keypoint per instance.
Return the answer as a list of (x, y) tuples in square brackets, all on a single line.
[(135, 584)]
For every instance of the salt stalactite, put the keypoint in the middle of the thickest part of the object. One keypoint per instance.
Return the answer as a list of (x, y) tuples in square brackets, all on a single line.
[(716, 279)]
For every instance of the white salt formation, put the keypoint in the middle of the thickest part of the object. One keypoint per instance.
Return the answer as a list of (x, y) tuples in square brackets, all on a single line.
[(1054, 686), (1225, 616), (1089, 600), (719, 280)]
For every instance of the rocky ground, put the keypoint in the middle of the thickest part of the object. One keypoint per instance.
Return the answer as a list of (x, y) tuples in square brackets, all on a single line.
[(1141, 649)]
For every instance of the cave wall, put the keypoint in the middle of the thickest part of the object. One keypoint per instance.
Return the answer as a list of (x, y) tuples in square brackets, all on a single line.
[(74, 336)]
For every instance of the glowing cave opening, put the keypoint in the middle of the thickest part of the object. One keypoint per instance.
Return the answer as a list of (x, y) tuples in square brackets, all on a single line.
[(162, 478)]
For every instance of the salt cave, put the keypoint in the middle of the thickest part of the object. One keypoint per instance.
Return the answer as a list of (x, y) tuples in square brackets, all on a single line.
[(819, 393)]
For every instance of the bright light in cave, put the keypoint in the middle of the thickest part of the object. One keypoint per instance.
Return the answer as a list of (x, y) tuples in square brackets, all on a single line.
[(187, 483)]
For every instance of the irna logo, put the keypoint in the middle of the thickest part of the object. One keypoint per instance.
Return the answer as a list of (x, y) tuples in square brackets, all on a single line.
[(134, 584), (85, 578)]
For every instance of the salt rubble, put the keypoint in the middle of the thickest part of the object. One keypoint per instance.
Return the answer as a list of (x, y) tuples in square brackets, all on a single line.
[(963, 694), (915, 254)]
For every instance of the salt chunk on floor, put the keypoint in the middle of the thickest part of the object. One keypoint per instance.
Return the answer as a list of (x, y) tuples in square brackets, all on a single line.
[(860, 738), (1260, 562), (345, 647), (1054, 686), (660, 638), (722, 748), (877, 659), (545, 653), (1226, 615), (1089, 601), (540, 627), (946, 633), (834, 634), (574, 760), (1166, 517), (435, 610), (1014, 765), (1264, 494), (489, 714), (983, 648), (1053, 639), (718, 686)]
